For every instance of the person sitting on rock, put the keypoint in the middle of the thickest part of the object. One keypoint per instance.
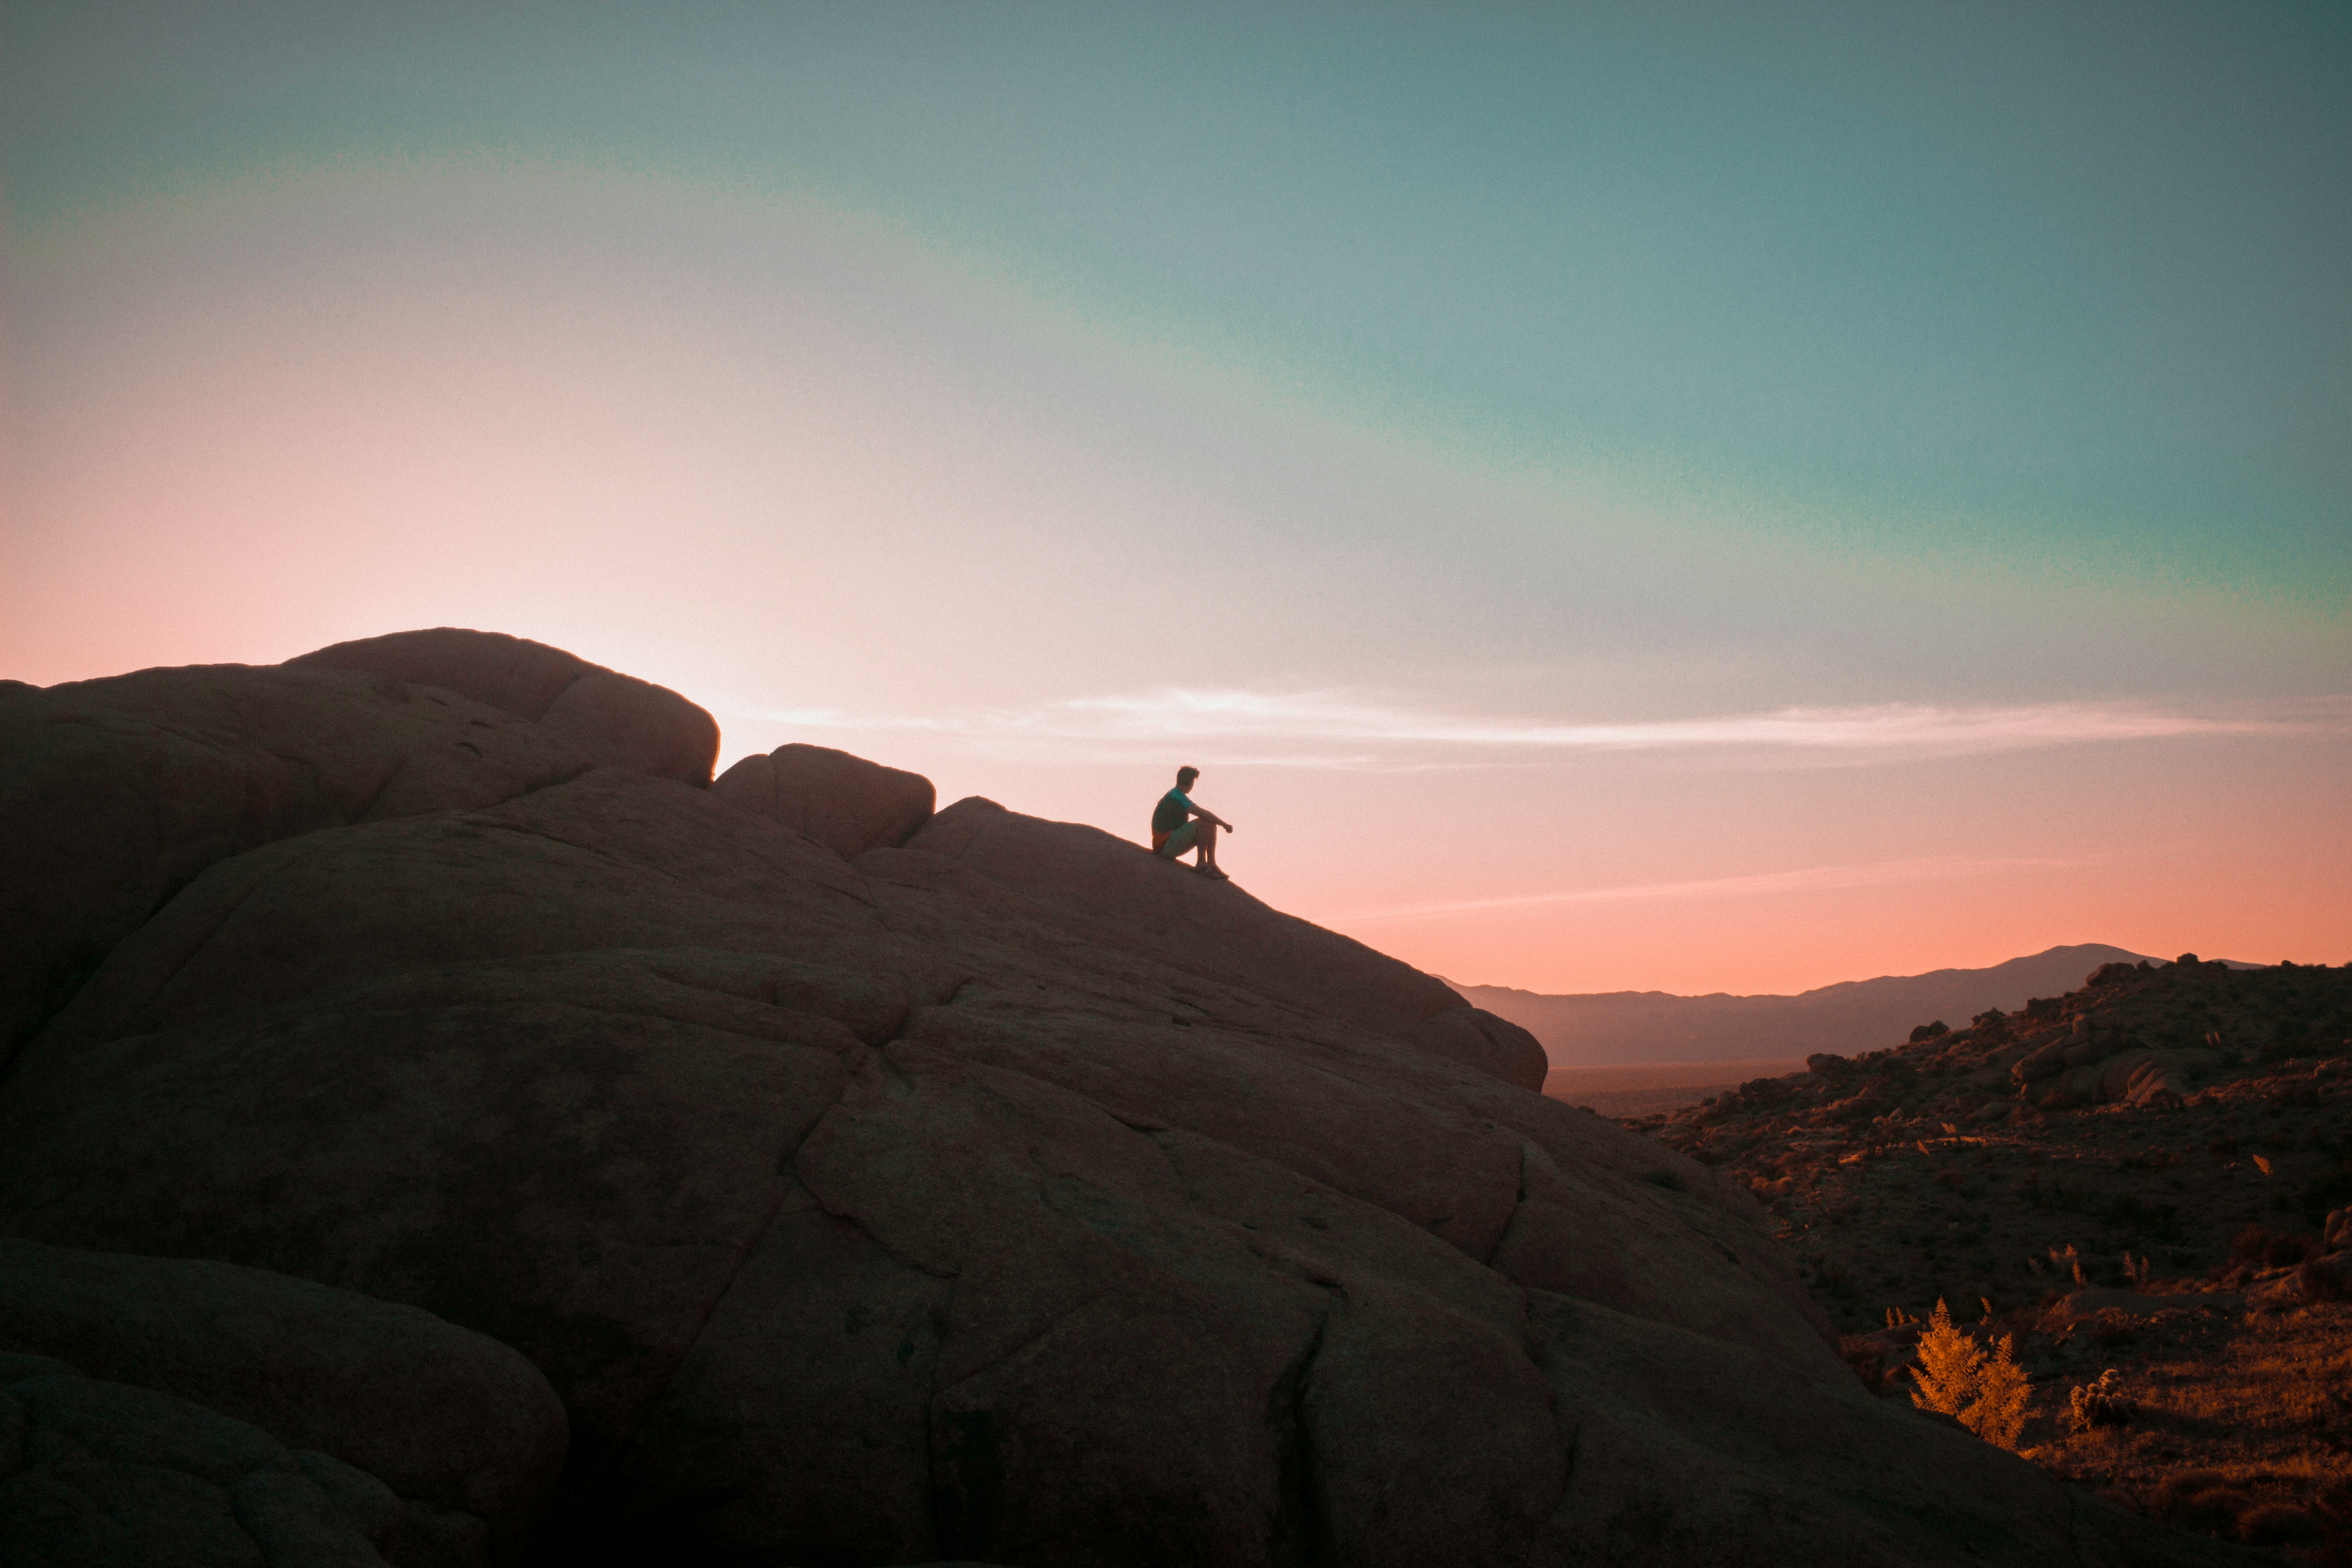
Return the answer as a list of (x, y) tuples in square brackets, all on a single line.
[(1178, 824)]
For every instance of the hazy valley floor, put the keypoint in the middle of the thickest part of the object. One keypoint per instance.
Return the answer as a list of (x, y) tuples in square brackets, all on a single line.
[(1644, 1089)]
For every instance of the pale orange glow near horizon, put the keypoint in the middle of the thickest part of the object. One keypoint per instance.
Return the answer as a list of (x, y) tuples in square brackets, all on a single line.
[(1567, 729), (1643, 875)]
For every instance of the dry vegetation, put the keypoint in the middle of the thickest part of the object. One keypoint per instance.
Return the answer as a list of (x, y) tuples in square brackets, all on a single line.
[(2142, 1184)]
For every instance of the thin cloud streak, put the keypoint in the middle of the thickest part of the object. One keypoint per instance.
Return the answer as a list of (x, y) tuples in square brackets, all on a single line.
[(1106, 727), (1811, 879)]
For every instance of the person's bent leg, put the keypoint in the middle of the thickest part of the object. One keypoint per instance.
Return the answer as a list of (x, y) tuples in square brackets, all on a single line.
[(1208, 842)]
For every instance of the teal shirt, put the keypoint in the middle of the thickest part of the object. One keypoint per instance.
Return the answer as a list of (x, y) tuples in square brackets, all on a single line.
[(1173, 811)]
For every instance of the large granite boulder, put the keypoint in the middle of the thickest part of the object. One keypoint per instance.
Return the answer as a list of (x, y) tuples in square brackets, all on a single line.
[(844, 803), (2139, 1075), (1009, 1196), (1108, 890), (116, 793), (454, 1422), (617, 719), (1477, 1038), (95, 1473)]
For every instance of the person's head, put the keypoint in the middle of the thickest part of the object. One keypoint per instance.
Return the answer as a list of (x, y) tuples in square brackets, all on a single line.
[(1184, 778)]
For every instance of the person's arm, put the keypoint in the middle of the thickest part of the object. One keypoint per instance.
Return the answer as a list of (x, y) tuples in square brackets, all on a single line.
[(1205, 815)]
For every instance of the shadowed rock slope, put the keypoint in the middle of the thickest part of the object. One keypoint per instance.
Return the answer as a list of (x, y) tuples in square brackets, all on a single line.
[(1005, 1193)]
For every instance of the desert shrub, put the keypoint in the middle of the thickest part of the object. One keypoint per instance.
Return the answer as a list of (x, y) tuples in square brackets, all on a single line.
[(2179, 1487), (1948, 1361), (2334, 1504), (2316, 1282), (1930, 1031), (1986, 1392), (2277, 1524), (2209, 1510), (1999, 1414), (2214, 1510), (2258, 1247), (1991, 1019), (2099, 1403), (2042, 1006), (2285, 1043), (2328, 1189)]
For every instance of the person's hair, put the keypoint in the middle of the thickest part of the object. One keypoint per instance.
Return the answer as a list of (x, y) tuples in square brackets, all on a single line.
[(1184, 778)]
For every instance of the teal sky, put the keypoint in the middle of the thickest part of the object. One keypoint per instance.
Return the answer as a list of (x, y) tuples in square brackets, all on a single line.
[(2076, 277), (1700, 496)]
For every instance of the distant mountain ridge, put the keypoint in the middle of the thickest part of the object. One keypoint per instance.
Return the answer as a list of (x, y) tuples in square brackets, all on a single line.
[(1611, 1028)]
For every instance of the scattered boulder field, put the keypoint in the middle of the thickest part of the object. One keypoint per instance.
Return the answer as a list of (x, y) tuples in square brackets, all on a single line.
[(441, 1124), (2145, 1183)]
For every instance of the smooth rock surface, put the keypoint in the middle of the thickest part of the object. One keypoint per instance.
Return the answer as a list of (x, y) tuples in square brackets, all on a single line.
[(844, 803), (433, 1411), (118, 792), (1010, 1196), (1477, 1038), (1109, 893), (94, 1473), (617, 719)]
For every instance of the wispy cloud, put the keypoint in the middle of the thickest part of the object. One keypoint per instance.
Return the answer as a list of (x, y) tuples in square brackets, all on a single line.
[(1810, 880), (1339, 730)]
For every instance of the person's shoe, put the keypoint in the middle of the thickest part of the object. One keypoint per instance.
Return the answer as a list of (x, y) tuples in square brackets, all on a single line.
[(1212, 873)]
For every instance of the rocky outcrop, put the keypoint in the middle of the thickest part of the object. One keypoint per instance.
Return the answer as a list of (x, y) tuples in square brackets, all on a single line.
[(1010, 1196), (99, 1472), (120, 793), (617, 719), (1477, 1039), (1084, 880), (2107, 1069), (456, 1424), (2143, 1077), (844, 803), (1107, 890)]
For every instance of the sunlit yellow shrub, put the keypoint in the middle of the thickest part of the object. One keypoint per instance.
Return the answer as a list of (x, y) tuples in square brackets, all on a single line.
[(1986, 1393)]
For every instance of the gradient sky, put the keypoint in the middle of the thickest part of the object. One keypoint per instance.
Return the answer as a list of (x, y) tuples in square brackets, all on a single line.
[(1693, 497)]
